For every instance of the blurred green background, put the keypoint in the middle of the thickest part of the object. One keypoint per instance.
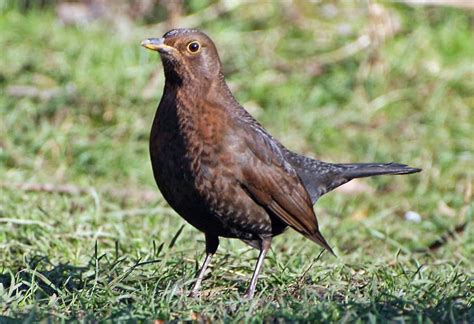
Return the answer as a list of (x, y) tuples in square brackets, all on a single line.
[(85, 234)]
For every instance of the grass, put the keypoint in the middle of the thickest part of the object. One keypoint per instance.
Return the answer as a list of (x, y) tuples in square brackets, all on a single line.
[(107, 247)]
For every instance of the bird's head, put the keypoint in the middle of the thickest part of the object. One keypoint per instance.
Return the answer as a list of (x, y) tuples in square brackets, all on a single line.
[(188, 55)]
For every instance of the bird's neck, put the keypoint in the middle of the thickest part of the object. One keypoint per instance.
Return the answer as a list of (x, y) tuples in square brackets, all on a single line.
[(194, 92), (192, 107), (195, 117)]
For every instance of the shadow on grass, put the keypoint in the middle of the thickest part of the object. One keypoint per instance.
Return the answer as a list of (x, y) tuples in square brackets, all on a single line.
[(43, 280), (451, 310), (47, 281)]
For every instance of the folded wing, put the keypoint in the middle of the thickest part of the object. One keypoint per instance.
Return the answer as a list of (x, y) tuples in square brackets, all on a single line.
[(273, 183)]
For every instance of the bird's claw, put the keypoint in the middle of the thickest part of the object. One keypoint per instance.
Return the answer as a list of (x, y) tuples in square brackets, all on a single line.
[(194, 294), (248, 295)]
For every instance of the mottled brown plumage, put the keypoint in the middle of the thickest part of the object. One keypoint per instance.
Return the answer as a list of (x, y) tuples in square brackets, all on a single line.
[(219, 168)]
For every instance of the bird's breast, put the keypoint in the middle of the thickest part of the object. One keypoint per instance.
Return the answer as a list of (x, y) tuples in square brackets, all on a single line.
[(189, 147)]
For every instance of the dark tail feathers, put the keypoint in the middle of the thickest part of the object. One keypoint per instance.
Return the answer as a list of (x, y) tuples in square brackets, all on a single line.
[(360, 170)]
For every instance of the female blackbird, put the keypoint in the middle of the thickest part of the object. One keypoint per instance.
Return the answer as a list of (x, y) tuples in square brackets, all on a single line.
[(220, 169)]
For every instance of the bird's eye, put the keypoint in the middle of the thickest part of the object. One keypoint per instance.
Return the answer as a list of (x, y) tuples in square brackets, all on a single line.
[(194, 47)]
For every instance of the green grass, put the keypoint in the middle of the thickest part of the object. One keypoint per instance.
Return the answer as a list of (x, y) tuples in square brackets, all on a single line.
[(116, 251)]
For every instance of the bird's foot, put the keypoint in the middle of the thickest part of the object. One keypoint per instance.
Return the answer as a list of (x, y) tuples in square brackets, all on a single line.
[(194, 294), (248, 295)]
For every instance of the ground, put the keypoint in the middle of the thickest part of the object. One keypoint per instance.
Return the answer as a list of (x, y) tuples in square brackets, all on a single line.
[(85, 234)]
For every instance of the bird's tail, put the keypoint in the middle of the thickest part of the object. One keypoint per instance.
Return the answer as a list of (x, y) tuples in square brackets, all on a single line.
[(360, 170)]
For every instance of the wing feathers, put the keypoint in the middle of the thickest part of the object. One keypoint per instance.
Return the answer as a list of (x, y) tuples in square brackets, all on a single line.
[(288, 201), (272, 182)]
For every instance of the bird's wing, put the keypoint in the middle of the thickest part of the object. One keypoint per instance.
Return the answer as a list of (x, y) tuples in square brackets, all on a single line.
[(273, 183)]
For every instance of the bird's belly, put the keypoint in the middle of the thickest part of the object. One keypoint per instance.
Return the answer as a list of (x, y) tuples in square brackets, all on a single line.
[(207, 198), (174, 177)]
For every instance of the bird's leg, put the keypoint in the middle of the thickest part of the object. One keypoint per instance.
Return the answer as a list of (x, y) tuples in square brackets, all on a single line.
[(264, 247), (197, 284), (212, 242)]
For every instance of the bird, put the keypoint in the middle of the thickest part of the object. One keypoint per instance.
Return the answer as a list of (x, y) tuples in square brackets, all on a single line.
[(218, 167)]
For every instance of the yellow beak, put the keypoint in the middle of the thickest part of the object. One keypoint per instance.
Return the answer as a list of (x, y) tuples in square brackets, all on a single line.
[(157, 44)]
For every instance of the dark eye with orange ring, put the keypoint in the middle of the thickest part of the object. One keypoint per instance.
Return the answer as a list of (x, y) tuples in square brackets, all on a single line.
[(194, 47)]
